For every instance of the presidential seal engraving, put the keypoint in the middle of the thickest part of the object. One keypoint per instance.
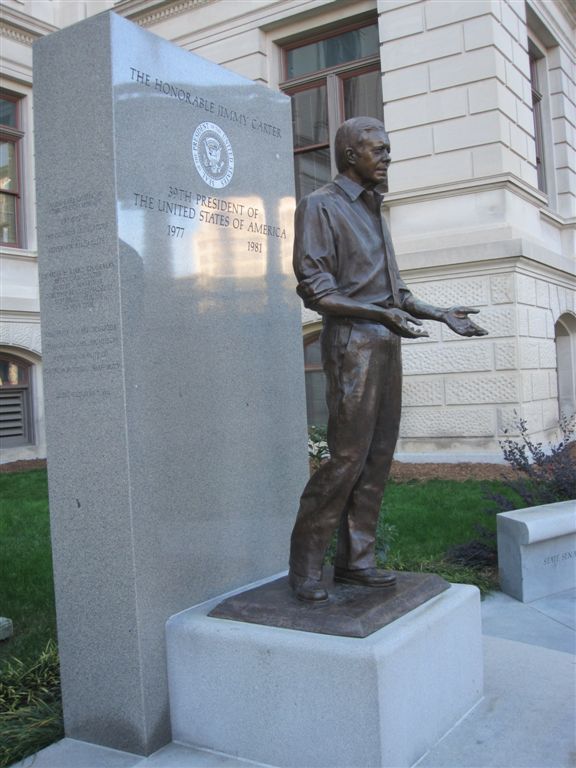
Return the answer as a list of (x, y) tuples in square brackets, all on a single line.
[(213, 155)]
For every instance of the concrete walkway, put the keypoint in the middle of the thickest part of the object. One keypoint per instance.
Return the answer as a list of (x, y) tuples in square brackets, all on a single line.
[(527, 718)]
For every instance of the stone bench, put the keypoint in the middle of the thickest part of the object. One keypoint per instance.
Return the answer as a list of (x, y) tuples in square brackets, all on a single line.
[(537, 550)]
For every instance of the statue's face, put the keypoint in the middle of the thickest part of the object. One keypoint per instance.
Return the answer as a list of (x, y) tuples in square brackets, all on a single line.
[(369, 160)]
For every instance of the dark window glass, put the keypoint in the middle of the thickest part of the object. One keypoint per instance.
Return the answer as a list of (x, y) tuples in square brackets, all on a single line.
[(312, 170), (332, 51), (310, 117), (363, 95), (8, 112), (13, 372), (316, 409)]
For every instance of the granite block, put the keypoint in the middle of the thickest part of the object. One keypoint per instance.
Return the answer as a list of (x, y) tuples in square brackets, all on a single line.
[(173, 364), (537, 550), (290, 698)]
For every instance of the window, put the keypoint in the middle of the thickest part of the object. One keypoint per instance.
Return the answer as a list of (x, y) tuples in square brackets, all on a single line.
[(10, 137), (536, 62), (15, 410), (330, 79), (316, 408), (565, 332)]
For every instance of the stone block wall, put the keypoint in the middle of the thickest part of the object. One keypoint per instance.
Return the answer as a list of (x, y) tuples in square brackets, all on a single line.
[(464, 395), (456, 85)]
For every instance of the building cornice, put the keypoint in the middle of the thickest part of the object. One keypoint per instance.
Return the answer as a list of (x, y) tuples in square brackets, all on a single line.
[(568, 8), (556, 219), (21, 27), (18, 254), (147, 12), (506, 181), (547, 24), (517, 255), (19, 316)]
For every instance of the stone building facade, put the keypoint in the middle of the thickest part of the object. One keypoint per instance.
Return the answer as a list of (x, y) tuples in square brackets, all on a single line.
[(479, 99)]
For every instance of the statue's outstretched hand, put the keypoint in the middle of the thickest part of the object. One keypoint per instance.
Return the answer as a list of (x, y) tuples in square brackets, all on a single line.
[(403, 324), (457, 319)]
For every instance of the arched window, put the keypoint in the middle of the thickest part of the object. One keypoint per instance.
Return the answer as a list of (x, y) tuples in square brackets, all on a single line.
[(565, 331), (15, 401), (315, 382)]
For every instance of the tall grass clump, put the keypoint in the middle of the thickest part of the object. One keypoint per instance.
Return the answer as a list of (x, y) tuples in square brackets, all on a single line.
[(30, 706)]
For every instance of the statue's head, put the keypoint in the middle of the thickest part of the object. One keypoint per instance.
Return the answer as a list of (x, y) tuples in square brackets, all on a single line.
[(362, 150)]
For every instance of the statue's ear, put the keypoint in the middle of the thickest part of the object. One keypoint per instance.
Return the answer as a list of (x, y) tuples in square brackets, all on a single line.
[(350, 155)]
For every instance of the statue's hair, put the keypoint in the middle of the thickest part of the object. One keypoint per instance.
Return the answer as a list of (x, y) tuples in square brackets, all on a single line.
[(351, 134)]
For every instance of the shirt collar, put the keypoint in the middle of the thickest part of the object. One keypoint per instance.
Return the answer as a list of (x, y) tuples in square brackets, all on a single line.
[(351, 188)]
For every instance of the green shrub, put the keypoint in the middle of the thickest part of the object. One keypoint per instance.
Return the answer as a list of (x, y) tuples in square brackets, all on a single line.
[(542, 475), (317, 447)]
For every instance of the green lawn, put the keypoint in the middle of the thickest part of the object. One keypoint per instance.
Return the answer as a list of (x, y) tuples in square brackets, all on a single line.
[(434, 516), (422, 521), (26, 588)]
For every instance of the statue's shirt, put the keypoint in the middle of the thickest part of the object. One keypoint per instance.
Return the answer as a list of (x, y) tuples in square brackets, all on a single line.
[(342, 245)]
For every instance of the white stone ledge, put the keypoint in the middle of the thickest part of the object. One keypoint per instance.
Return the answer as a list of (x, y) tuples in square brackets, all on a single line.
[(18, 254), (537, 550), (498, 256), (534, 524)]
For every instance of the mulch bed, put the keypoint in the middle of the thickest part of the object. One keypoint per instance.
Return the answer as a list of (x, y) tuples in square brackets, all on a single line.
[(23, 466), (400, 471), (464, 471)]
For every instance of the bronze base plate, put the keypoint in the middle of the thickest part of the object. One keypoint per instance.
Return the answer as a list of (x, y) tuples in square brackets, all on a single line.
[(351, 611)]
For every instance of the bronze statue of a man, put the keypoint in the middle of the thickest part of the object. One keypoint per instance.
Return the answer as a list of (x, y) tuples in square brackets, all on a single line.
[(346, 269)]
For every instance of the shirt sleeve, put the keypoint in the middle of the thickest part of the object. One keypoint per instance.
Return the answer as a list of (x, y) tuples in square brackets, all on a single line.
[(314, 252)]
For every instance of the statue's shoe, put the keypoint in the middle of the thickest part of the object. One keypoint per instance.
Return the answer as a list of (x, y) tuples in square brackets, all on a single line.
[(307, 589), (366, 577)]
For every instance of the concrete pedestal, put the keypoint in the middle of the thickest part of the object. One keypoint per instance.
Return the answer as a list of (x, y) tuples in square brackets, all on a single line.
[(291, 698)]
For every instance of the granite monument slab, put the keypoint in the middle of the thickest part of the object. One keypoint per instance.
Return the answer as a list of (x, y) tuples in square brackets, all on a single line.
[(172, 353)]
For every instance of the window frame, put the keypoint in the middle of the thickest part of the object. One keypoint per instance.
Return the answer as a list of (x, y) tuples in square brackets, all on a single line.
[(333, 77), (313, 337), (337, 31), (537, 60), (541, 44), (14, 135)]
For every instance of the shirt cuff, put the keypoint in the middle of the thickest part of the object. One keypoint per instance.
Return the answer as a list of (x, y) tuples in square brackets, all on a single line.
[(313, 288)]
